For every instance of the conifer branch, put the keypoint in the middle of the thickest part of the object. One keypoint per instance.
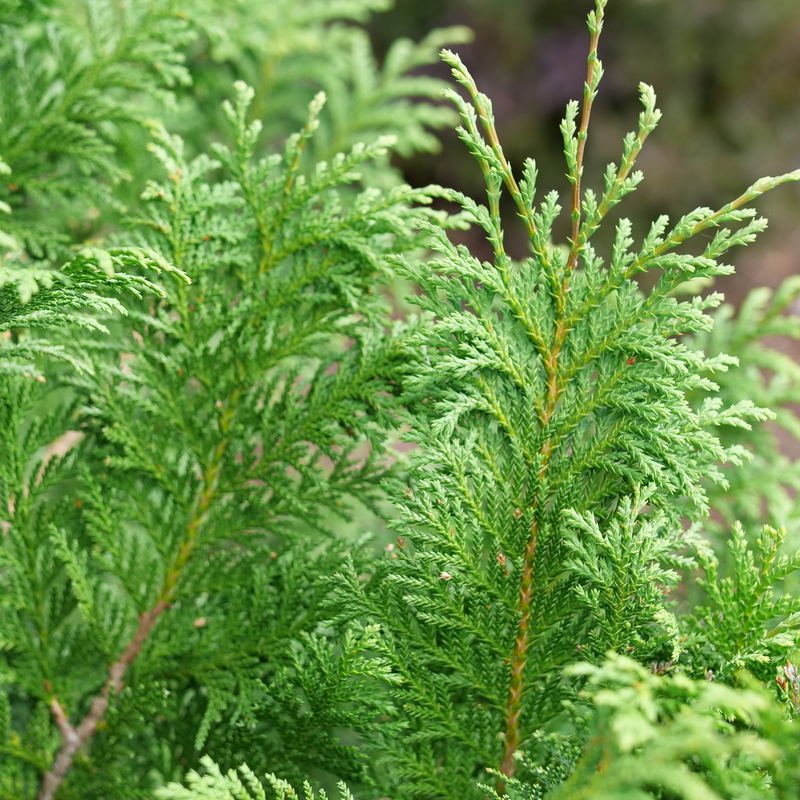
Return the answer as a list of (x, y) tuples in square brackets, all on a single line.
[(594, 73), (711, 220), (74, 738), (483, 107), (519, 657), (548, 485)]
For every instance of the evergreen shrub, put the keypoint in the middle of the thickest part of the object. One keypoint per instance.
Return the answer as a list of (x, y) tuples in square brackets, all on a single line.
[(190, 459)]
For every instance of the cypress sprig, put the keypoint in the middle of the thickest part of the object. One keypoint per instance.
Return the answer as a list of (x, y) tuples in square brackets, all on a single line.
[(747, 621), (550, 390), (227, 415), (763, 490)]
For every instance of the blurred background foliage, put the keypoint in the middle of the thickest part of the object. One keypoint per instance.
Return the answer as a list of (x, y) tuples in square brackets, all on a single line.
[(727, 74)]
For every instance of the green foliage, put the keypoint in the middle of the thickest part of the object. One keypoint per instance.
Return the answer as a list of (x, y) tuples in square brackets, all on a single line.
[(622, 576), (40, 298), (241, 370), (549, 390), (290, 49), (184, 591), (37, 621), (80, 80), (750, 621), (652, 736), (24, 758), (68, 91), (216, 786), (39, 633)]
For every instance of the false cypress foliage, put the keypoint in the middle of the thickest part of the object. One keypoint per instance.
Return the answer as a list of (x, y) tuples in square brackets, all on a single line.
[(764, 489), (749, 620), (59, 115), (72, 86), (165, 597), (289, 49), (80, 79), (33, 299), (60, 111), (224, 423), (559, 453)]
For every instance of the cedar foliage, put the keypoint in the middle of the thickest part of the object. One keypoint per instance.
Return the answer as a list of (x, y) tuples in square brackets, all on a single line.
[(566, 430), (283, 49), (65, 100), (181, 469)]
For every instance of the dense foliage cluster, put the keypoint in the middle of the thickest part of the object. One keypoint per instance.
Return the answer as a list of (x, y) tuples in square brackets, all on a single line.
[(202, 388)]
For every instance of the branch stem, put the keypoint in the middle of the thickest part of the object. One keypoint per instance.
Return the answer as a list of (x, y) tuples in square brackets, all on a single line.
[(554, 388), (74, 738)]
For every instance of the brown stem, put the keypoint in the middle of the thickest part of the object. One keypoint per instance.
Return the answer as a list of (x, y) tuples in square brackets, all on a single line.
[(521, 643), (519, 658), (508, 175), (72, 739)]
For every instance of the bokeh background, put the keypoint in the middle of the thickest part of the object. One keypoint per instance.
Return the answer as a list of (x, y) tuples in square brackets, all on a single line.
[(727, 74)]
